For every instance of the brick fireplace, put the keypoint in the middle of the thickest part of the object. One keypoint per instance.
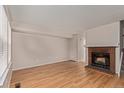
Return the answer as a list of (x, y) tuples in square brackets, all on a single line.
[(102, 58)]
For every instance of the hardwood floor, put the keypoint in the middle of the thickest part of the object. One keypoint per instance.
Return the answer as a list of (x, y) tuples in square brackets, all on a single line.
[(64, 75)]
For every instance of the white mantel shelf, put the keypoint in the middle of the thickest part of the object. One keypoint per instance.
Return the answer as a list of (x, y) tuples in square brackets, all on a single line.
[(100, 46)]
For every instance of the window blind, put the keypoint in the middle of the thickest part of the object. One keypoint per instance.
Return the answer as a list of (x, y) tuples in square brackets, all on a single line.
[(3, 41)]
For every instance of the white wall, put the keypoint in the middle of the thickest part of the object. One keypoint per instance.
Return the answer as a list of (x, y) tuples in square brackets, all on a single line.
[(73, 48), (106, 35), (81, 47), (29, 50), (77, 47)]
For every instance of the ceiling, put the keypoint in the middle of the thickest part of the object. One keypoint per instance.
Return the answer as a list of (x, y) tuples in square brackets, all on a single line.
[(69, 19)]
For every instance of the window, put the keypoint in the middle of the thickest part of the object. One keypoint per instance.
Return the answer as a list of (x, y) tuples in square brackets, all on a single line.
[(3, 42)]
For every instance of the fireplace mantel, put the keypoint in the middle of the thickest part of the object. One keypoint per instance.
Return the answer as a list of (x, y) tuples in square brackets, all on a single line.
[(102, 49), (91, 46)]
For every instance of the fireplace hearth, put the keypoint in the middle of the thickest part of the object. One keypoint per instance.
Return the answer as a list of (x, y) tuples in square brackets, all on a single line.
[(102, 58)]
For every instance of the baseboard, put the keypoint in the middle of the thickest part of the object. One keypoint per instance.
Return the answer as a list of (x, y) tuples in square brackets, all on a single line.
[(72, 60), (38, 65)]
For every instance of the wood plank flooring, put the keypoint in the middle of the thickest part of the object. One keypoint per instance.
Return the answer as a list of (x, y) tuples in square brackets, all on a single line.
[(65, 75)]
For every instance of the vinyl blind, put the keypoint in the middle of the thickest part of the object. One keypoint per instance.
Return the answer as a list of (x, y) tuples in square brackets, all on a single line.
[(3, 41)]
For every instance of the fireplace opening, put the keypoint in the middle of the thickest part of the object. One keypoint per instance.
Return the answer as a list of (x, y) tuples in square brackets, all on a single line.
[(101, 60)]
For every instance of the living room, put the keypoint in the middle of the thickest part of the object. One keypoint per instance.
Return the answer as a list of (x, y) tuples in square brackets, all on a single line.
[(61, 46)]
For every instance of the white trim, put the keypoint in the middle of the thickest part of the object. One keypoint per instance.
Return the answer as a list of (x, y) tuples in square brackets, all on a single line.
[(35, 33), (8, 13), (102, 46), (4, 76), (121, 59), (20, 68)]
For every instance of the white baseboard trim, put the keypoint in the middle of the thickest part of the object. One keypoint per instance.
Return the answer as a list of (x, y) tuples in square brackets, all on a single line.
[(38, 65)]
